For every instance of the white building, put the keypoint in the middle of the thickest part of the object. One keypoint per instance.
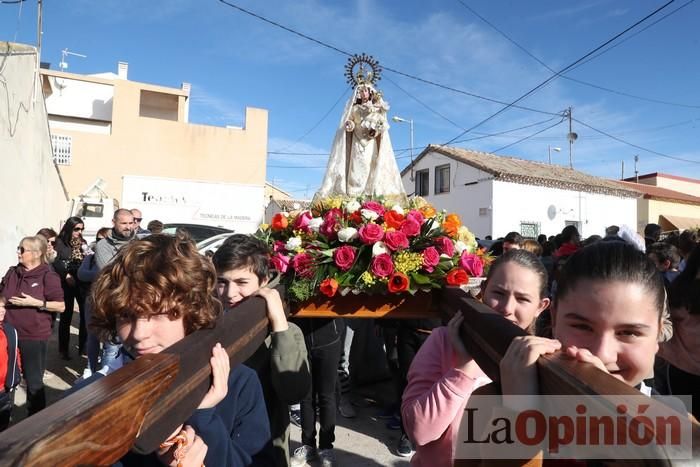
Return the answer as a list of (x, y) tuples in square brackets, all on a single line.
[(494, 195)]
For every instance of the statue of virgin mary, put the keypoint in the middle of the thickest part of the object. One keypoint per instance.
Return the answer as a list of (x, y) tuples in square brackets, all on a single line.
[(362, 161)]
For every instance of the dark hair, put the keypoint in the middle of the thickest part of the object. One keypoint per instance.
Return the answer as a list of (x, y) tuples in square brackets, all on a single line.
[(591, 240), (652, 231), (570, 234), (155, 226), (160, 274), (67, 230), (243, 251), (104, 231), (665, 252), (673, 239), (525, 259), (548, 248), (541, 238), (513, 237), (612, 230), (687, 241), (684, 291), (47, 233), (612, 261)]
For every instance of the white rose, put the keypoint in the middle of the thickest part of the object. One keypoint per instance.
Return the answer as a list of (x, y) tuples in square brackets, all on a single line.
[(369, 215), (352, 206), (398, 209), (460, 246), (293, 244), (285, 214), (379, 248), (315, 224), (347, 234)]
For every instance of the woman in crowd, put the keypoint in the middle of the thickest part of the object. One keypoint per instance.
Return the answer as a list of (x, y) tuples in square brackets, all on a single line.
[(30, 292), (50, 235), (70, 249), (155, 292), (443, 374)]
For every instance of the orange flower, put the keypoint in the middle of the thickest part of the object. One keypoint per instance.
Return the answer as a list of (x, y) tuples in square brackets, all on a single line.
[(393, 219), (457, 276), (451, 224), (398, 282), (329, 287), (279, 222), (427, 211)]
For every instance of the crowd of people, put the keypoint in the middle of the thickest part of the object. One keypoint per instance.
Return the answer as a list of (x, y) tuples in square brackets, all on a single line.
[(628, 304)]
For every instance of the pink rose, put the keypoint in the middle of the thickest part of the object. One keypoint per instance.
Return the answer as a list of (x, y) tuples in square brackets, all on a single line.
[(471, 263), (302, 221), (374, 206), (344, 257), (396, 240), (410, 227), (371, 233), (278, 246), (303, 264), (280, 262), (445, 246), (431, 258), (416, 216), (382, 265)]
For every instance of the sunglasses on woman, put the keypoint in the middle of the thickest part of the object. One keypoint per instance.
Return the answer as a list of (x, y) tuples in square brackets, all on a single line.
[(21, 250), (78, 229)]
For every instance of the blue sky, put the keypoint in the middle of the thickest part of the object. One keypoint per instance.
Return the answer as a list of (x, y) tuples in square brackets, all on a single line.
[(234, 60)]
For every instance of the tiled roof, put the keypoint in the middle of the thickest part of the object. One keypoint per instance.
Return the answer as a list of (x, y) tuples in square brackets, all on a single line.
[(291, 204), (655, 192), (511, 169)]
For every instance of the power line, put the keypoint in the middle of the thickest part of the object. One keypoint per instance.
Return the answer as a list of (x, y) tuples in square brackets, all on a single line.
[(526, 137), (585, 83), (651, 151), (317, 123), (385, 68), (554, 76)]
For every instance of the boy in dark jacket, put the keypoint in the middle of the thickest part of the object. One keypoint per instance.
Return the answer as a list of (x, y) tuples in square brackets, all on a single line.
[(242, 264)]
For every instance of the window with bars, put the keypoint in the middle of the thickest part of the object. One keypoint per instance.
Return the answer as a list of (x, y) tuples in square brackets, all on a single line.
[(529, 229), (442, 179), (62, 149), (423, 182)]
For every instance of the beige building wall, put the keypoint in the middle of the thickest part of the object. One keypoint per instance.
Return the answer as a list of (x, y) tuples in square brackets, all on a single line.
[(142, 130), (273, 192), (688, 186), (667, 208)]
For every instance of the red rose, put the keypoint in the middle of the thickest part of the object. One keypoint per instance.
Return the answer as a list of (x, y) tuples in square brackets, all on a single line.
[(355, 217), (445, 246), (393, 219), (328, 287), (398, 283), (280, 262), (371, 233), (278, 246), (473, 264), (374, 206), (416, 216), (344, 257), (457, 276), (396, 240), (431, 258), (302, 221), (279, 222), (410, 227), (303, 264), (382, 265)]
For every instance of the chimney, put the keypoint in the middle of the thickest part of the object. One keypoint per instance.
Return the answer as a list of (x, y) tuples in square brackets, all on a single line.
[(122, 70), (186, 87)]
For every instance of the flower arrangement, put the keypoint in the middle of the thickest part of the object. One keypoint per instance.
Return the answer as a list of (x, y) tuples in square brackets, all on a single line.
[(371, 245)]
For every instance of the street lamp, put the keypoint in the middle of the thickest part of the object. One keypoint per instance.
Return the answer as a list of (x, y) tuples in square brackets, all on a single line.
[(549, 152), (410, 123)]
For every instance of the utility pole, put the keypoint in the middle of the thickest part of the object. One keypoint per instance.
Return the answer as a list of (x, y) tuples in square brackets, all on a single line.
[(622, 175), (39, 32), (636, 172), (571, 137)]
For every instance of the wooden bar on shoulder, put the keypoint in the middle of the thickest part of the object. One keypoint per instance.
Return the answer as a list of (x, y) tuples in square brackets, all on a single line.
[(138, 406)]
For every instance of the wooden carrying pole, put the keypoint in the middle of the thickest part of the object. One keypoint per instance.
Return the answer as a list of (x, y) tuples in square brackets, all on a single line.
[(138, 406), (487, 336)]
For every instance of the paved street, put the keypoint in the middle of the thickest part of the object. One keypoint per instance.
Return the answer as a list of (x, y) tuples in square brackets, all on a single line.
[(363, 441)]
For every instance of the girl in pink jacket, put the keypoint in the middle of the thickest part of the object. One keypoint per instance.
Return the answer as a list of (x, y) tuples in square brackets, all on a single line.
[(443, 374)]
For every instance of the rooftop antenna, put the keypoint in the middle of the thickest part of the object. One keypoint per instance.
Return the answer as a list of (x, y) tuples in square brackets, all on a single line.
[(636, 172), (63, 65)]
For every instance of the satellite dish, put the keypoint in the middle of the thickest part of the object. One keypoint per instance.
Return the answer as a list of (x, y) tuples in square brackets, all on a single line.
[(551, 212), (572, 136)]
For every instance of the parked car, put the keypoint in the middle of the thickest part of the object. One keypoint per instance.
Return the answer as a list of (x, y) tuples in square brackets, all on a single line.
[(198, 232), (212, 243)]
